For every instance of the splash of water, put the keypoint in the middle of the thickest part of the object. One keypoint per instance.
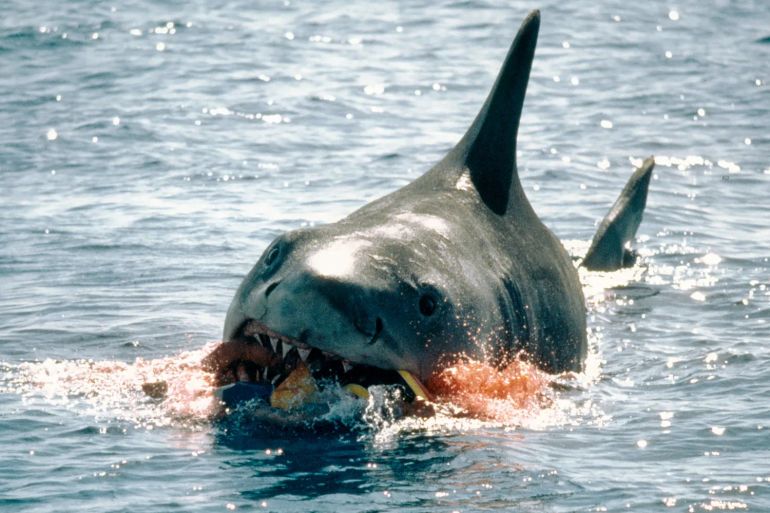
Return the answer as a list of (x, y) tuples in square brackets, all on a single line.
[(485, 392), (174, 390)]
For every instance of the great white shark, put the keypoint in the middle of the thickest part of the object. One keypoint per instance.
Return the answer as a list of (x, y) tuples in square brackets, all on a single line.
[(454, 263)]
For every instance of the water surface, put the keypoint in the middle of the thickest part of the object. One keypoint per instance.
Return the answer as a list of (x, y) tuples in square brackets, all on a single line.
[(150, 152)]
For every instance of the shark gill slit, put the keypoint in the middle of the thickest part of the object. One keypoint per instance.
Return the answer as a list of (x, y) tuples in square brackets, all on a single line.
[(516, 325)]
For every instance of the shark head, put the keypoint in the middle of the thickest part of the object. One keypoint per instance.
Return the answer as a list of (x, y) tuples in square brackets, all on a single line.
[(455, 263), (401, 292)]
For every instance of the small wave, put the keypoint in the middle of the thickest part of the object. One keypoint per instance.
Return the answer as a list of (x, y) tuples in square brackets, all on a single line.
[(175, 391), (120, 390)]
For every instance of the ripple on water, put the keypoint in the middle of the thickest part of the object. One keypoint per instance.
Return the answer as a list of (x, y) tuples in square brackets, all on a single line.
[(125, 240)]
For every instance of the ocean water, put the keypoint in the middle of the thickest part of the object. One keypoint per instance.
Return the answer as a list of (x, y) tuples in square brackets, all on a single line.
[(150, 151)]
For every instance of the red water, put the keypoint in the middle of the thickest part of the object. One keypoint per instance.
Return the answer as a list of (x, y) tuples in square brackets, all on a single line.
[(181, 387), (488, 393)]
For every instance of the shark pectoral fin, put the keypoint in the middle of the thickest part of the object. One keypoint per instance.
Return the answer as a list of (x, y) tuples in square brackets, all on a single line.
[(609, 249)]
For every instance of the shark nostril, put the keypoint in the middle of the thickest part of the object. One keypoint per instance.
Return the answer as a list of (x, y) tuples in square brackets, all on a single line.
[(270, 288)]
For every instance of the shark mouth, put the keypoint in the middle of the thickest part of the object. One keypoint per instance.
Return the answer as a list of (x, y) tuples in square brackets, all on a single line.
[(286, 354), (290, 358)]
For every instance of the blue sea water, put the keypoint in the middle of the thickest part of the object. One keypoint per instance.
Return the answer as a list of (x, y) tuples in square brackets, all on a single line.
[(150, 151)]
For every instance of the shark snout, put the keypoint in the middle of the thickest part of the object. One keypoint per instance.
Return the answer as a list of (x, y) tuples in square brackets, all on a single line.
[(327, 312), (325, 298)]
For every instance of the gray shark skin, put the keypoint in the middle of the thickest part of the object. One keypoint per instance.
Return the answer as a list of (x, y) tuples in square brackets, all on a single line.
[(609, 251), (456, 262)]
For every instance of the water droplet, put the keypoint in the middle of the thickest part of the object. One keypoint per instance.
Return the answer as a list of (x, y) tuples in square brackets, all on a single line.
[(710, 259), (374, 89)]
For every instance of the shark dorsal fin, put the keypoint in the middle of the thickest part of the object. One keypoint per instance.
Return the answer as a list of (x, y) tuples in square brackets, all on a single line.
[(488, 148)]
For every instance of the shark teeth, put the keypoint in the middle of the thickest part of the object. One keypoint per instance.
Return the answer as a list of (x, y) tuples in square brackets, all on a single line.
[(286, 355)]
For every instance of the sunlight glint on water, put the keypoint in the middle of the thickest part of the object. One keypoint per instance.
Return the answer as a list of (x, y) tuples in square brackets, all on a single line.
[(151, 151)]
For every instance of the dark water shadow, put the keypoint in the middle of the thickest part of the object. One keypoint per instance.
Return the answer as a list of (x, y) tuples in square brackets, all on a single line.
[(323, 458)]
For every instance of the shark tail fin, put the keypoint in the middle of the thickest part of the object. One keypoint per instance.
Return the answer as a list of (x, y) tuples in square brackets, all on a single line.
[(609, 251)]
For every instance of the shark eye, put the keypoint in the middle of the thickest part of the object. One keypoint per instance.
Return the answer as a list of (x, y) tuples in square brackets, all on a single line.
[(427, 304), (272, 256)]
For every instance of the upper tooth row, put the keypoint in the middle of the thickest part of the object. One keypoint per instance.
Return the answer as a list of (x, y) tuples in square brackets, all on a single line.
[(286, 347)]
